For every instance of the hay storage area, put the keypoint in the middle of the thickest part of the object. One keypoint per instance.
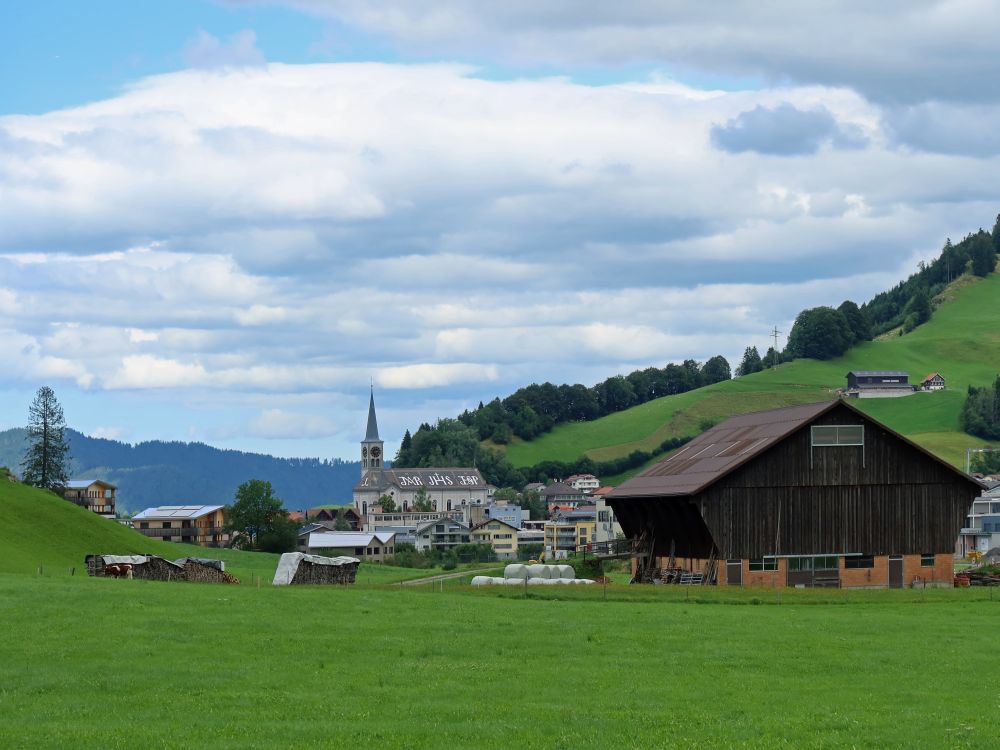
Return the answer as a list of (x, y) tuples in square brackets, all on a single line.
[(297, 568)]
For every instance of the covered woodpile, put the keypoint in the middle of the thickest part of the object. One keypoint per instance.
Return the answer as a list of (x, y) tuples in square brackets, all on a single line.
[(156, 568), (298, 568)]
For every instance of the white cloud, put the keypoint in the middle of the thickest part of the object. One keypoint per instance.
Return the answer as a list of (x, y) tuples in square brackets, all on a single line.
[(428, 375), (208, 51), (112, 432), (279, 423)]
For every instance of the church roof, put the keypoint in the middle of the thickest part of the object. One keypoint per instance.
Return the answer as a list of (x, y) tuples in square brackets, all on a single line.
[(371, 434), (432, 479)]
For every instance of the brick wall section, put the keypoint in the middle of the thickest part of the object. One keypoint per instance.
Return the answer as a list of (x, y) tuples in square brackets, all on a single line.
[(941, 574), (877, 576)]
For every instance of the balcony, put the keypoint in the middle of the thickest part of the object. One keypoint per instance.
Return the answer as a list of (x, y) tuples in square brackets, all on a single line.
[(189, 531)]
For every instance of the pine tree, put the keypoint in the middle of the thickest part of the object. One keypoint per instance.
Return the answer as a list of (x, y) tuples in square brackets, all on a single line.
[(45, 461), (751, 362)]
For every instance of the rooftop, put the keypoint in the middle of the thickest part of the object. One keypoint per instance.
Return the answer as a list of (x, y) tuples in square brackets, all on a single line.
[(169, 512)]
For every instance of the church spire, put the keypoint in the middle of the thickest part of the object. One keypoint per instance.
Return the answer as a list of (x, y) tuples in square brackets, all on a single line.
[(372, 432)]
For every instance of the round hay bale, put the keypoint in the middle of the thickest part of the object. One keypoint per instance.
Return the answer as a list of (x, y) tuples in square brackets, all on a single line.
[(537, 581), (481, 581), (551, 581), (566, 571), (586, 581), (515, 581), (502, 581), (565, 581), (516, 570), (537, 571)]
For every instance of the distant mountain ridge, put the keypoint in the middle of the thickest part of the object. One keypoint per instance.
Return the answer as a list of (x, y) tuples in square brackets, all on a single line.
[(158, 472)]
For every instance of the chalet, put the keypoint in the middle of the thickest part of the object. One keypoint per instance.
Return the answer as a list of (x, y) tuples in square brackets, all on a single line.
[(193, 524), (933, 382), (820, 494), (500, 535), (878, 383), (95, 495), (330, 513)]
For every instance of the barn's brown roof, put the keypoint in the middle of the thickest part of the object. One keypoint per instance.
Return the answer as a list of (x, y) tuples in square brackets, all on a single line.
[(727, 446), (715, 453)]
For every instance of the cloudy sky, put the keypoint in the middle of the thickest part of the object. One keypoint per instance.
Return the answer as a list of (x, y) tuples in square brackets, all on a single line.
[(221, 221)]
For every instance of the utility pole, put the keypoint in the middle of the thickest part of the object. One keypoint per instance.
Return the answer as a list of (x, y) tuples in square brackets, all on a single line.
[(774, 334)]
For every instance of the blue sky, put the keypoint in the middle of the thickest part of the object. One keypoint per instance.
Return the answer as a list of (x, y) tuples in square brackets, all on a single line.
[(220, 221)]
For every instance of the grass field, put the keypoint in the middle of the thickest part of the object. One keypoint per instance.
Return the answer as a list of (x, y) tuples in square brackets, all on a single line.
[(106, 664), (962, 341)]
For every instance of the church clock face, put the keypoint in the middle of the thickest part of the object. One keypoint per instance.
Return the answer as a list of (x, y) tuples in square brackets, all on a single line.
[(376, 452)]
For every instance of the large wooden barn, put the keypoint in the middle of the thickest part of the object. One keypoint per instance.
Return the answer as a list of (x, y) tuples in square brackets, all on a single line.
[(814, 495)]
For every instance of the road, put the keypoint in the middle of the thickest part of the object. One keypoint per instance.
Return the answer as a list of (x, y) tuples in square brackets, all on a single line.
[(448, 576)]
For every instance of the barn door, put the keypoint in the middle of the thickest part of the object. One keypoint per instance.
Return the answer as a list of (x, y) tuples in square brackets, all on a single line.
[(734, 572), (895, 571)]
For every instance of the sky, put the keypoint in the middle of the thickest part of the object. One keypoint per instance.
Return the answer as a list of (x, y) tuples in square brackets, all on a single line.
[(226, 220)]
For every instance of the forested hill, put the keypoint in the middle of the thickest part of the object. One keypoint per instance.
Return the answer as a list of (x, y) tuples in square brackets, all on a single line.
[(157, 472)]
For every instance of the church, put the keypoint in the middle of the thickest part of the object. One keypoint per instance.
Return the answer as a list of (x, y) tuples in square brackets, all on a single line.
[(449, 489)]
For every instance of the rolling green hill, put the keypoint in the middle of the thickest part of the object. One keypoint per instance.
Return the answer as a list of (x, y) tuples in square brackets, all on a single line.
[(962, 342)]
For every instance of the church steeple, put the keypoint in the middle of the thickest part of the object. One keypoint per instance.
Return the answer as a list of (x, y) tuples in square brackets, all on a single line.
[(371, 446)]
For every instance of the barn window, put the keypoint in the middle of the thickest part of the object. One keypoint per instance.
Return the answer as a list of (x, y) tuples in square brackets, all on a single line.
[(825, 435), (927, 561), (763, 564), (858, 562)]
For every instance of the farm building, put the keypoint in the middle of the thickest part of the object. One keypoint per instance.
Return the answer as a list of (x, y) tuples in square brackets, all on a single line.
[(814, 495), (374, 546), (298, 568), (878, 383)]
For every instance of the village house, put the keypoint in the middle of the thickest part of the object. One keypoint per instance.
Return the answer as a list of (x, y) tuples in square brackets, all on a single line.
[(95, 495), (586, 483), (813, 495), (193, 524), (443, 535), (506, 512), (933, 382), (330, 514), (500, 535), (981, 532), (560, 496), (373, 547), (570, 531)]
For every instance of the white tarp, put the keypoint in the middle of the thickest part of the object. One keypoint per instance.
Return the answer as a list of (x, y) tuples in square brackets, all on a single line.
[(124, 559), (289, 563)]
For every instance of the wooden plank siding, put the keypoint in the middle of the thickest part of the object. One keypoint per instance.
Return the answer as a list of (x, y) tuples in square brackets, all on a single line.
[(887, 497)]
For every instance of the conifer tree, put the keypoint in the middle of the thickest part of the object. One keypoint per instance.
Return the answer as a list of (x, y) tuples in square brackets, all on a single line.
[(45, 461)]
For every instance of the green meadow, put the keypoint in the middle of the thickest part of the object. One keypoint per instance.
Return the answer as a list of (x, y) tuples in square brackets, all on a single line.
[(961, 341), (103, 663)]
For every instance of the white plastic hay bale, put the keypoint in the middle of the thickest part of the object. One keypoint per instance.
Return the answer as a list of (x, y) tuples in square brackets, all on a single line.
[(565, 581), (502, 581), (551, 581), (537, 570), (586, 581), (537, 581), (482, 581), (516, 570), (566, 571), (516, 581)]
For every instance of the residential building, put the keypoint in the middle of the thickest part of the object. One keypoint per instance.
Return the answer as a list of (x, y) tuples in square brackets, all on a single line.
[(194, 524), (981, 531), (371, 547), (570, 531), (608, 527), (442, 534), (586, 483), (506, 512), (330, 513), (500, 535), (933, 382), (95, 495), (560, 496), (812, 495)]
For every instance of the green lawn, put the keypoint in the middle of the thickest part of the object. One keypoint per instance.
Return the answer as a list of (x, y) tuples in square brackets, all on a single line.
[(99, 663), (962, 341)]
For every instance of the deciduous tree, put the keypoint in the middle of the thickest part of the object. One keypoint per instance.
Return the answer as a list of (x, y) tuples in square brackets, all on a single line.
[(257, 519)]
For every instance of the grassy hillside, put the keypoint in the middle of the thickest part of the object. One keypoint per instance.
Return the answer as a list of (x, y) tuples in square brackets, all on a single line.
[(42, 530), (962, 341)]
